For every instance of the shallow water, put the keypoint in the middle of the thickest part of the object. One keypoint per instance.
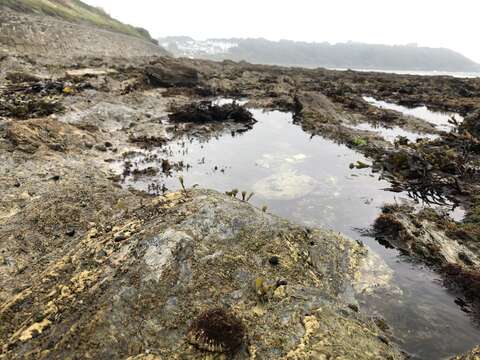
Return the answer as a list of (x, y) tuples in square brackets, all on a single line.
[(391, 134), (437, 118), (457, 74), (308, 180)]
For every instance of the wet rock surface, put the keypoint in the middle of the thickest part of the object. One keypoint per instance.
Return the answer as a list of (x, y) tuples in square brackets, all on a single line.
[(118, 297), (88, 268), (171, 74), (472, 355), (450, 247)]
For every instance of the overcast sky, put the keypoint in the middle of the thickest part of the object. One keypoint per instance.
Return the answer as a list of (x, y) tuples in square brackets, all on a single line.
[(435, 23)]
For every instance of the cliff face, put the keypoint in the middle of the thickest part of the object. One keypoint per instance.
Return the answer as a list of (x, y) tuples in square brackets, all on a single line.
[(76, 11), (32, 34)]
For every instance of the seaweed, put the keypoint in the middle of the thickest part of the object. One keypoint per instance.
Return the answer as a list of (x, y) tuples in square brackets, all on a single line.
[(207, 112)]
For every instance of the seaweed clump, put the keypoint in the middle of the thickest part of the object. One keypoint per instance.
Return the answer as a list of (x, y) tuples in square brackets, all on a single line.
[(217, 330), (207, 112), (31, 99), (25, 107), (467, 280), (387, 227)]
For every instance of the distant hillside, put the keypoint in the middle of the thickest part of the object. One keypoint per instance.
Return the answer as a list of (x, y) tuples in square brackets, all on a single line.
[(342, 55), (78, 12)]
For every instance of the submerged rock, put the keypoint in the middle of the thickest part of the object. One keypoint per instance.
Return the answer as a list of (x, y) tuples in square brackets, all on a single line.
[(423, 235), (285, 186), (450, 247)]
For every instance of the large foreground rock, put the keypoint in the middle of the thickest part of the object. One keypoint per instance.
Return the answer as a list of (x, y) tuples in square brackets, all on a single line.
[(472, 355), (131, 288)]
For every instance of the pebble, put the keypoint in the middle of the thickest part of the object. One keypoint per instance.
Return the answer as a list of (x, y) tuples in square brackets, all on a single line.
[(56, 147), (119, 237), (102, 253), (383, 339), (280, 293), (353, 307), (274, 260), (100, 147)]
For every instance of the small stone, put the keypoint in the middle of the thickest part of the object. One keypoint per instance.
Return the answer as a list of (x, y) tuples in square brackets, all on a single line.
[(108, 144), (237, 294), (119, 237), (56, 147), (353, 307), (280, 292), (258, 311), (382, 324), (94, 233), (465, 258), (55, 177), (274, 260), (102, 253), (70, 232), (39, 317), (17, 184), (100, 147), (361, 165), (383, 339)]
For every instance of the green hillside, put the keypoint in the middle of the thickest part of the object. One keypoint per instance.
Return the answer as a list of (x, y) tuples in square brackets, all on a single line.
[(78, 12)]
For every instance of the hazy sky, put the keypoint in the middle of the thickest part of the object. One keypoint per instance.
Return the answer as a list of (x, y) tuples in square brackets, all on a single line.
[(435, 23)]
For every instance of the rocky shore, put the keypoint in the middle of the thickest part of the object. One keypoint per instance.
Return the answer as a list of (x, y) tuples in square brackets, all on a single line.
[(91, 269)]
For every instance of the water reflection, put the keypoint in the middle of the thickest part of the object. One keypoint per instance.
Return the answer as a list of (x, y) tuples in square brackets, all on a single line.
[(309, 181), (442, 120), (391, 134)]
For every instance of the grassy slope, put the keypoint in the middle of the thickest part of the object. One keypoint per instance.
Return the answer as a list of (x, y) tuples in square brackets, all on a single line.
[(76, 11)]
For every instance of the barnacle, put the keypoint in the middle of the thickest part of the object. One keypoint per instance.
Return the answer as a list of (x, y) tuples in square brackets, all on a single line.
[(217, 330)]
